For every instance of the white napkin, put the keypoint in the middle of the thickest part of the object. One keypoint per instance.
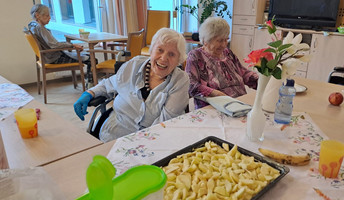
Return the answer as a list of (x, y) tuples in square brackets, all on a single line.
[(228, 105)]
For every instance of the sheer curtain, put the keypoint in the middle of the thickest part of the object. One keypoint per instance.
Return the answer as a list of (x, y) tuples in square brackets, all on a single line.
[(123, 16)]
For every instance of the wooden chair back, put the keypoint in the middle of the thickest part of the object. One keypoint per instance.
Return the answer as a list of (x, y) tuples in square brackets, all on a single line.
[(49, 68), (135, 43), (156, 19)]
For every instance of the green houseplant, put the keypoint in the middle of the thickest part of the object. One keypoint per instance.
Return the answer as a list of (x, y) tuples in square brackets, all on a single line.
[(220, 8)]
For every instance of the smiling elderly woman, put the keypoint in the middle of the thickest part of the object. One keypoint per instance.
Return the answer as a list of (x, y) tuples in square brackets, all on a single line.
[(149, 90), (213, 69)]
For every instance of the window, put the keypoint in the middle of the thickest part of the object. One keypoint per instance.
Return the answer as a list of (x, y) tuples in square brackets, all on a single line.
[(179, 22), (50, 5), (69, 16), (67, 11)]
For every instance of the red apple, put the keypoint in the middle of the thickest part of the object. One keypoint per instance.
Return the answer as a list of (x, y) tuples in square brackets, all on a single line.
[(335, 98)]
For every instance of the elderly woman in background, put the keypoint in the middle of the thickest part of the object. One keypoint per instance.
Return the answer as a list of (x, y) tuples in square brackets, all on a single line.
[(213, 69), (149, 89), (41, 17)]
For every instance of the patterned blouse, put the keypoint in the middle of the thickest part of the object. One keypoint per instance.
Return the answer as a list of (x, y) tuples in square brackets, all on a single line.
[(227, 75)]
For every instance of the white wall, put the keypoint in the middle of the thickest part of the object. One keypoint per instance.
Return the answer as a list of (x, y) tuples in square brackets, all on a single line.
[(17, 61)]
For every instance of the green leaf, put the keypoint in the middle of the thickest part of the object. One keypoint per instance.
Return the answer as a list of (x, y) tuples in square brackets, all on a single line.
[(275, 44), (270, 50), (277, 73), (263, 64), (266, 72), (284, 46), (272, 64)]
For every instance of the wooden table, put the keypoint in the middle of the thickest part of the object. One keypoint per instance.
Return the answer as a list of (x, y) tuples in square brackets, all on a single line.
[(314, 101), (57, 139), (70, 173), (92, 40)]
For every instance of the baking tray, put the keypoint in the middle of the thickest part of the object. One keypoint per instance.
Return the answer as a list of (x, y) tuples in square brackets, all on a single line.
[(281, 168)]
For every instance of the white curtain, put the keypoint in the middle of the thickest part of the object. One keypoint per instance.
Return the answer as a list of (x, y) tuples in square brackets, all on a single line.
[(188, 22), (122, 16)]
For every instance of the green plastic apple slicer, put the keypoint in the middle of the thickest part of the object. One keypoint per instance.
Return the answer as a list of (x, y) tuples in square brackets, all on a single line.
[(134, 184)]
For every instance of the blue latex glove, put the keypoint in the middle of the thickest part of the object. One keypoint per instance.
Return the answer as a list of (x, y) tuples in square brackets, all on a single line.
[(80, 106)]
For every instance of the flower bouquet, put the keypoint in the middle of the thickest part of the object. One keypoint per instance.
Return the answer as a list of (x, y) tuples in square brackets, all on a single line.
[(281, 56), (279, 60)]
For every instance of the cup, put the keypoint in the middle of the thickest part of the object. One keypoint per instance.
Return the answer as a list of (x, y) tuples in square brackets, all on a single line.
[(331, 157), (26, 122), (84, 35)]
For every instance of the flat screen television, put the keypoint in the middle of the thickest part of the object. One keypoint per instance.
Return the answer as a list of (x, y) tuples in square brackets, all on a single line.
[(304, 14)]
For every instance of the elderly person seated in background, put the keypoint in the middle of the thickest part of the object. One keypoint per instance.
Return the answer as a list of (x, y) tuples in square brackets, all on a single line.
[(41, 17), (213, 69), (149, 89)]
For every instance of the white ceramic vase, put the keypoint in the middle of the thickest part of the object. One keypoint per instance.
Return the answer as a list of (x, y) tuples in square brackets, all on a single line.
[(271, 93), (256, 118)]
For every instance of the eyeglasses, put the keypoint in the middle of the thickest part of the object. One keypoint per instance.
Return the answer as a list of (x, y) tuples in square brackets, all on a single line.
[(226, 40)]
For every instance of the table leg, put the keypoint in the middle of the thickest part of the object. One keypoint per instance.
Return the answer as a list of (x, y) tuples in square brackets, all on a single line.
[(105, 54), (93, 63)]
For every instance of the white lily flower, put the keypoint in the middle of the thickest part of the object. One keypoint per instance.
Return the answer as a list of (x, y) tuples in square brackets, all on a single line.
[(289, 38), (290, 66), (305, 58), (297, 39), (295, 42), (302, 46)]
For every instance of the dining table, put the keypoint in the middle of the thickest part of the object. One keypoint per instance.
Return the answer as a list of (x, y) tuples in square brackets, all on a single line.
[(313, 120), (92, 40), (57, 138)]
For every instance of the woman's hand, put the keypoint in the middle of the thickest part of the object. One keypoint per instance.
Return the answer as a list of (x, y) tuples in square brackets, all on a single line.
[(80, 106), (79, 47), (216, 93)]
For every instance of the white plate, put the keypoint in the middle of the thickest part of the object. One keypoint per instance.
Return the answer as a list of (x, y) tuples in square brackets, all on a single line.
[(300, 88)]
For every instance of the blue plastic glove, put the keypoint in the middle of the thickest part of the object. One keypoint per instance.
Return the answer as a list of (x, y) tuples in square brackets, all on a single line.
[(80, 106)]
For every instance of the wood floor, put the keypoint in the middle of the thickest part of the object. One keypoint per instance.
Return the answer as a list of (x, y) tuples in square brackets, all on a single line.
[(61, 96)]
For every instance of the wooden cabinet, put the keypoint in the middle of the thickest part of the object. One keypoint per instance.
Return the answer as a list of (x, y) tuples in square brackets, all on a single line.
[(261, 38), (246, 14), (326, 53), (241, 45), (244, 7)]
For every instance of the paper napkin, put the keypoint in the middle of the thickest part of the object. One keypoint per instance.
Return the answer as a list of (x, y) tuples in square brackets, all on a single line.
[(228, 105)]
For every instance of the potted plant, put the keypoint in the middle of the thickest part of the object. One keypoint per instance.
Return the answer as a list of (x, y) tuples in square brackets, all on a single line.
[(219, 8)]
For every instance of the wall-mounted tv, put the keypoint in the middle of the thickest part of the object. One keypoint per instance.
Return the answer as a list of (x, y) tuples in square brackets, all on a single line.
[(304, 14)]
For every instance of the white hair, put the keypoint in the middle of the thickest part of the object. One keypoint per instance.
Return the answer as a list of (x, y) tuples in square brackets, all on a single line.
[(213, 27), (40, 9), (167, 35)]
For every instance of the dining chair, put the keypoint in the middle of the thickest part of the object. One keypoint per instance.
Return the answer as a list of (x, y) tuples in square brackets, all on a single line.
[(50, 68), (132, 49), (156, 19), (337, 76)]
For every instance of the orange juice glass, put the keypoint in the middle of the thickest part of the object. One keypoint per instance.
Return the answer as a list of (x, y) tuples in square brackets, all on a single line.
[(331, 157), (27, 122)]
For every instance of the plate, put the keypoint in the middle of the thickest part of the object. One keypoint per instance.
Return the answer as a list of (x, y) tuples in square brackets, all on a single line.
[(300, 88), (281, 168)]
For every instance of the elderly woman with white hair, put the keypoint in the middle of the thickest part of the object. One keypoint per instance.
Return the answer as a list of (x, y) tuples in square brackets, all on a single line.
[(148, 90), (213, 69), (41, 16)]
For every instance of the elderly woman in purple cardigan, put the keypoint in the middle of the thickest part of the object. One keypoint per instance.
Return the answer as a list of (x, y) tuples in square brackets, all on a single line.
[(213, 69)]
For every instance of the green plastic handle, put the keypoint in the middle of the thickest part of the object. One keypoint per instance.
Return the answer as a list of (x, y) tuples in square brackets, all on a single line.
[(99, 176), (134, 184)]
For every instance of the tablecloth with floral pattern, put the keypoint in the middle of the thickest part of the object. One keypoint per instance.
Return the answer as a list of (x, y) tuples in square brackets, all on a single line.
[(301, 136), (12, 97)]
